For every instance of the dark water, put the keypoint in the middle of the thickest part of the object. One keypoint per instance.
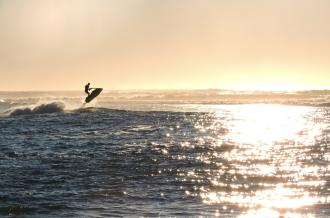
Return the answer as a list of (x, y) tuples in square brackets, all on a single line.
[(95, 162), (234, 161)]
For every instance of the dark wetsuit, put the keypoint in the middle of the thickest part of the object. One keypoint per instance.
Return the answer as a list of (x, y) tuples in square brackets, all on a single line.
[(87, 89)]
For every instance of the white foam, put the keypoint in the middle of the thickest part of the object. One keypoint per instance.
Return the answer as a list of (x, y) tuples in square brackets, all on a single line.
[(52, 107)]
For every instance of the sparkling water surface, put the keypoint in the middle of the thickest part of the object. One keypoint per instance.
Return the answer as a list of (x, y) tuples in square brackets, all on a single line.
[(248, 160)]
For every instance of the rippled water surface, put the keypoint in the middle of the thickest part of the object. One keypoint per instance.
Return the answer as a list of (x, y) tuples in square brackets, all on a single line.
[(217, 160)]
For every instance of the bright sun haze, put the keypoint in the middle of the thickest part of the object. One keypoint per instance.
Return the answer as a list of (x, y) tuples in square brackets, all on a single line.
[(147, 44)]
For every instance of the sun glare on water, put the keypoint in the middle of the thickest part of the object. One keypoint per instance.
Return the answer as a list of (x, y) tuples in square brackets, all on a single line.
[(270, 170)]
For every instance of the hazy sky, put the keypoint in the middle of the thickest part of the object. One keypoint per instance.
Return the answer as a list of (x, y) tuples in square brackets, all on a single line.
[(156, 44)]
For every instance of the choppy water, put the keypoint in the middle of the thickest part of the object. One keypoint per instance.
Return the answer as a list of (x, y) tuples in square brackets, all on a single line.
[(247, 160)]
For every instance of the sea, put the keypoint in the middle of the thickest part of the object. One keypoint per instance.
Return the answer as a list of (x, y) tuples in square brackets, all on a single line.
[(165, 153)]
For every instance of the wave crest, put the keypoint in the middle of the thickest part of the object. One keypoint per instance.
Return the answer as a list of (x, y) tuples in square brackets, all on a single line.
[(53, 107)]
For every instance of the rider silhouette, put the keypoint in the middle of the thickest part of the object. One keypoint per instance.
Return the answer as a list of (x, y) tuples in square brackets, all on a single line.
[(87, 88)]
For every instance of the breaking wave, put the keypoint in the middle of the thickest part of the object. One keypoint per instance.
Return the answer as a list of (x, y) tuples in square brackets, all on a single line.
[(53, 107)]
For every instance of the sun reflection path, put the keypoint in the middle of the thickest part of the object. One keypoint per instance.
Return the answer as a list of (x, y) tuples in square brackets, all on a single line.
[(273, 167)]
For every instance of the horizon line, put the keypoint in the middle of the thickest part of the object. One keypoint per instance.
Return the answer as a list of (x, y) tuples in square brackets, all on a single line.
[(183, 89)]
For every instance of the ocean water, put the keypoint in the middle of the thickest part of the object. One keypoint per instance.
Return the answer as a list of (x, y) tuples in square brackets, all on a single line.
[(171, 154)]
